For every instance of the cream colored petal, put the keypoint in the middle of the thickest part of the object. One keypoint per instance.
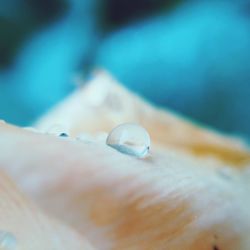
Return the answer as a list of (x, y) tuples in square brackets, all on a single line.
[(104, 103), (31, 228), (171, 200)]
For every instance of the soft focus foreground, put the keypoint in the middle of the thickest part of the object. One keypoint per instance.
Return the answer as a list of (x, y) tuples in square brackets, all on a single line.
[(190, 193), (31, 228)]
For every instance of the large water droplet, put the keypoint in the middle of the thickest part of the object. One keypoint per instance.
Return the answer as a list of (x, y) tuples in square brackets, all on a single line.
[(7, 241), (129, 138)]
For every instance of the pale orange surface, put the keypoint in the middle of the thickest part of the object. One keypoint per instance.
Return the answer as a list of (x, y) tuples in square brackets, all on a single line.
[(191, 193)]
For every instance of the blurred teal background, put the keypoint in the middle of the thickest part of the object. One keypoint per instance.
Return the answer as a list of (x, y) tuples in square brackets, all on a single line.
[(191, 56)]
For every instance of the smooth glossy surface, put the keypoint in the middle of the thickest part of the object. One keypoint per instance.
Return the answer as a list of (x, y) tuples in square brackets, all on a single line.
[(130, 139), (7, 241)]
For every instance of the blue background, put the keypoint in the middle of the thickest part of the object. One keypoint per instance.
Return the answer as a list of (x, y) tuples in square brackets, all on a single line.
[(190, 56)]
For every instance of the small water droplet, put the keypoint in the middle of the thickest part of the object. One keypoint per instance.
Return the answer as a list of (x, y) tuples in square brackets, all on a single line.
[(64, 135), (129, 138), (7, 241), (57, 130)]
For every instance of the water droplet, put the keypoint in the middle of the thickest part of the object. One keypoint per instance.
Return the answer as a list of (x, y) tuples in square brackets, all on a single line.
[(7, 241), (129, 138), (64, 135), (57, 130)]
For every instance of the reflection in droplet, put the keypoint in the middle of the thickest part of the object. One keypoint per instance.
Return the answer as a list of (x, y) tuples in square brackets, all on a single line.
[(7, 241), (129, 138)]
